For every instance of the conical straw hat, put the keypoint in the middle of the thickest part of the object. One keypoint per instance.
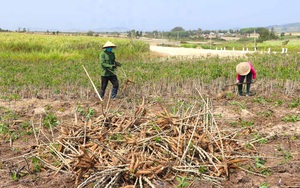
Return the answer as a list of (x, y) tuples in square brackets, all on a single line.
[(243, 68), (109, 44)]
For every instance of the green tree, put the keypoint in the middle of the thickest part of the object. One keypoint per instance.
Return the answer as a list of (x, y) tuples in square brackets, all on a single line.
[(206, 32), (155, 34), (129, 34), (285, 42), (273, 34), (177, 29), (90, 33), (168, 34), (265, 34), (245, 31), (199, 32)]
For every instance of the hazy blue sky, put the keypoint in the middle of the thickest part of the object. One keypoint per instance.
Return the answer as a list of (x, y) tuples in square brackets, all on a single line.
[(146, 15)]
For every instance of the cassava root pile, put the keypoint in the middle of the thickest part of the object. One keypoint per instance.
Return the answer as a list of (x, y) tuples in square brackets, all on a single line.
[(144, 148)]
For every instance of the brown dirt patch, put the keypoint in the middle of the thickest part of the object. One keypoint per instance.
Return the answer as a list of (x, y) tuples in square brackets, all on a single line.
[(273, 162)]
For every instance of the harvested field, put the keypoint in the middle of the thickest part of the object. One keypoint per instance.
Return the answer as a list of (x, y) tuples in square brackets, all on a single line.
[(216, 143)]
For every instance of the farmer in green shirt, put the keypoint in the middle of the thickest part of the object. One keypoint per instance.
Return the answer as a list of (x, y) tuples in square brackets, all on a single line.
[(108, 69)]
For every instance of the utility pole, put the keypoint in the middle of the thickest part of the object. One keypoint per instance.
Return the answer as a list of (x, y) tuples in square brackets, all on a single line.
[(210, 39), (254, 41)]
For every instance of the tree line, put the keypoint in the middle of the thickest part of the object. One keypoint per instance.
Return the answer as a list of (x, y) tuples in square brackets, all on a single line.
[(180, 33)]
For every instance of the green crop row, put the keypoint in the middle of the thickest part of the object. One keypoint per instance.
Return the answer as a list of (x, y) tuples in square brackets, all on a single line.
[(293, 45), (27, 47), (37, 62)]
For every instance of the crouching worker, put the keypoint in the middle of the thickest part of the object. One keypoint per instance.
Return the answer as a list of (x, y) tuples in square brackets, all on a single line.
[(245, 70), (108, 69)]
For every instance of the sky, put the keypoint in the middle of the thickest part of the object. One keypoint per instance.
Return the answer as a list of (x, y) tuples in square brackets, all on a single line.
[(145, 15)]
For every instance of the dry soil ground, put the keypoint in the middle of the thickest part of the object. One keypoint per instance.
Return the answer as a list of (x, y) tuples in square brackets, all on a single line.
[(277, 163)]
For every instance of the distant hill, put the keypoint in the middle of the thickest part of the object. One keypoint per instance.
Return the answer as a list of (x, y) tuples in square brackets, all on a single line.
[(112, 29), (287, 28)]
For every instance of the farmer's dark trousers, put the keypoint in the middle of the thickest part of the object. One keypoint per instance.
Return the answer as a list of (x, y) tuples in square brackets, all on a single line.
[(114, 81), (248, 80)]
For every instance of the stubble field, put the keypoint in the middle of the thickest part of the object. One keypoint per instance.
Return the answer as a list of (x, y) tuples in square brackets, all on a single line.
[(163, 132)]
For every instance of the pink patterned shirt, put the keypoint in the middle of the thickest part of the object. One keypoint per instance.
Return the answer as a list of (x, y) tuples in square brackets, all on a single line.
[(238, 77)]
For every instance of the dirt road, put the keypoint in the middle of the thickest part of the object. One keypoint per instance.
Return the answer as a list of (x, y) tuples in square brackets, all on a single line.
[(174, 51)]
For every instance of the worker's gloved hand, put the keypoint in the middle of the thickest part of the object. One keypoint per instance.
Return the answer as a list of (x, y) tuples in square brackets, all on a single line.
[(117, 64), (252, 81)]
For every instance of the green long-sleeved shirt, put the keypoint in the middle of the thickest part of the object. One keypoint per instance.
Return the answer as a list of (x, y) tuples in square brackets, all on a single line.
[(107, 61)]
